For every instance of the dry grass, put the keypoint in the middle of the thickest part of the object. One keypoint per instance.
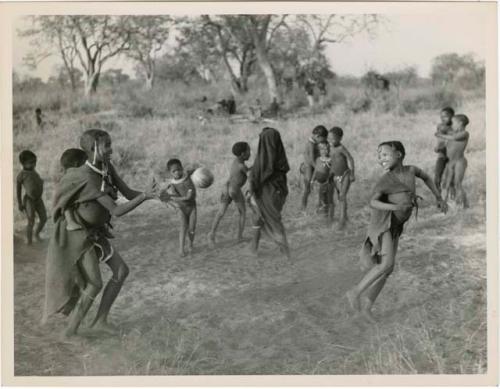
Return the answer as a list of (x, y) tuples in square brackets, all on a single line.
[(224, 312)]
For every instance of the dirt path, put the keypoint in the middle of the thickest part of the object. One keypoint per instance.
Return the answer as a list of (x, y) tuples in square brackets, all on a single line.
[(223, 311)]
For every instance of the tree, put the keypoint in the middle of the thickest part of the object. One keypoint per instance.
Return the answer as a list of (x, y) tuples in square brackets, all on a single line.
[(148, 37), (455, 69), (50, 36)]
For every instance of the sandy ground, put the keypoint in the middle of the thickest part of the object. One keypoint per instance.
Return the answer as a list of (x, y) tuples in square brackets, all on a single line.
[(222, 311)]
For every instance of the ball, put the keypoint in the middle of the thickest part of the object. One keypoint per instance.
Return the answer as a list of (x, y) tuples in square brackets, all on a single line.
[(202, 177)]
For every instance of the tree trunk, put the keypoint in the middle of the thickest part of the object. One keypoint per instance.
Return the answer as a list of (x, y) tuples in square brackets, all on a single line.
[(268, 71), (91, 82), (150, 77)]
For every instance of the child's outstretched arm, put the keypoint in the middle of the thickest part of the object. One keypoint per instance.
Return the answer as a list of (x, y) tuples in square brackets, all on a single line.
[(461, 135), (121, 209), (441, 204), (20, 194)]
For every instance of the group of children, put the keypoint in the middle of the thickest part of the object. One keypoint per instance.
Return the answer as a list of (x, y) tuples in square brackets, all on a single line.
[(85, 200)]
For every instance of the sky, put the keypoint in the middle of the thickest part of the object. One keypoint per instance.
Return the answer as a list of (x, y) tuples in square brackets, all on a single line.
[(403, 40)]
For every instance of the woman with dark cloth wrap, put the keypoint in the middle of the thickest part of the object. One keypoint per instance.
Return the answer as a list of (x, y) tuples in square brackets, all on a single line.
[(268, 189)]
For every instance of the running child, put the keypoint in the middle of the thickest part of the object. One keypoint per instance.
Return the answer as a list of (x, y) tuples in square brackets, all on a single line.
[(456, 142), (31, 203), (321, 175), (342, 172), (73, 277), (232, 190), (392, 202), (182, 192), (72, 158), (319, 134), (444, 127)]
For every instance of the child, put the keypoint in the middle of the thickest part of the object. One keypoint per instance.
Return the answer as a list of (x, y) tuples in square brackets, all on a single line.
[(392, 202), (321, 175), (443, 128), (342, 172), (456, 142), (232, 190), (72, 158), (319, 134), (182, 191), (32, 201), (76, 255), (39, 118)]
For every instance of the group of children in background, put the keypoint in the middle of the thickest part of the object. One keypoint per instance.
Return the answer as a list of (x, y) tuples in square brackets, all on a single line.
[(327, 164)]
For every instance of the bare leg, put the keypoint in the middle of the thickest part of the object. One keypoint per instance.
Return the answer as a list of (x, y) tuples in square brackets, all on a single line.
[(242, 218), (30, 214), (182, 232), (192, 227), (218, 218), (308, 172), (120, 272), (255, 239), (89, 266), (458, 177), (42, 218), (346, 183), (439, 170), (376, 272)]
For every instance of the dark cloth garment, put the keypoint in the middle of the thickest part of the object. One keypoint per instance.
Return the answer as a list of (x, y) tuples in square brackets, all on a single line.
[(269, 185), (382, 221), (31, 182), (78, 187)]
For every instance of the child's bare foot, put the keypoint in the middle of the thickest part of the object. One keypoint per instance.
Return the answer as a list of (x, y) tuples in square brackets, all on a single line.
[(182, 253), (367, 314), (211, 240), (70, 339), (28, 242), (108, 328), (353, 300), (39, 238)]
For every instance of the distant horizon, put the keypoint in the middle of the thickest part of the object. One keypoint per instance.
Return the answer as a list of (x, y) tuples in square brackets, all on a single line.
[(405, 40)]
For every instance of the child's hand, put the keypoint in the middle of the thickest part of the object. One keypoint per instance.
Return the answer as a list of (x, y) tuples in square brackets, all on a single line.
[(151, 190), (164, 196), (442, 205)]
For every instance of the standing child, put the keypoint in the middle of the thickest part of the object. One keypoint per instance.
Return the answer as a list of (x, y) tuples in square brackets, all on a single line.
[(321, 175), (319, 134), (443, 128), (182, 192), (342, 172), (232, 190), (32, 202), (392, 202), (456, 142)]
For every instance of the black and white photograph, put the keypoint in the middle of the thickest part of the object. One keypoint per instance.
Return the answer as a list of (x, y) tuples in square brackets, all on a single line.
[(205, 191)]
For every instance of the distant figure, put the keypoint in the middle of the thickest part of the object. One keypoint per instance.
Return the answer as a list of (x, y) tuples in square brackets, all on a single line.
[(232, 190), (444, 127), (342, 172), (268, 189), (392, 202), (32, 202), (321, 84), (182, 192), (309, 88), (39, 118), (273, 110), (456, 142)]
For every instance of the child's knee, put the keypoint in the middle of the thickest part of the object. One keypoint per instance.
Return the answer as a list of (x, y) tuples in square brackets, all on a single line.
[(94, 287)]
